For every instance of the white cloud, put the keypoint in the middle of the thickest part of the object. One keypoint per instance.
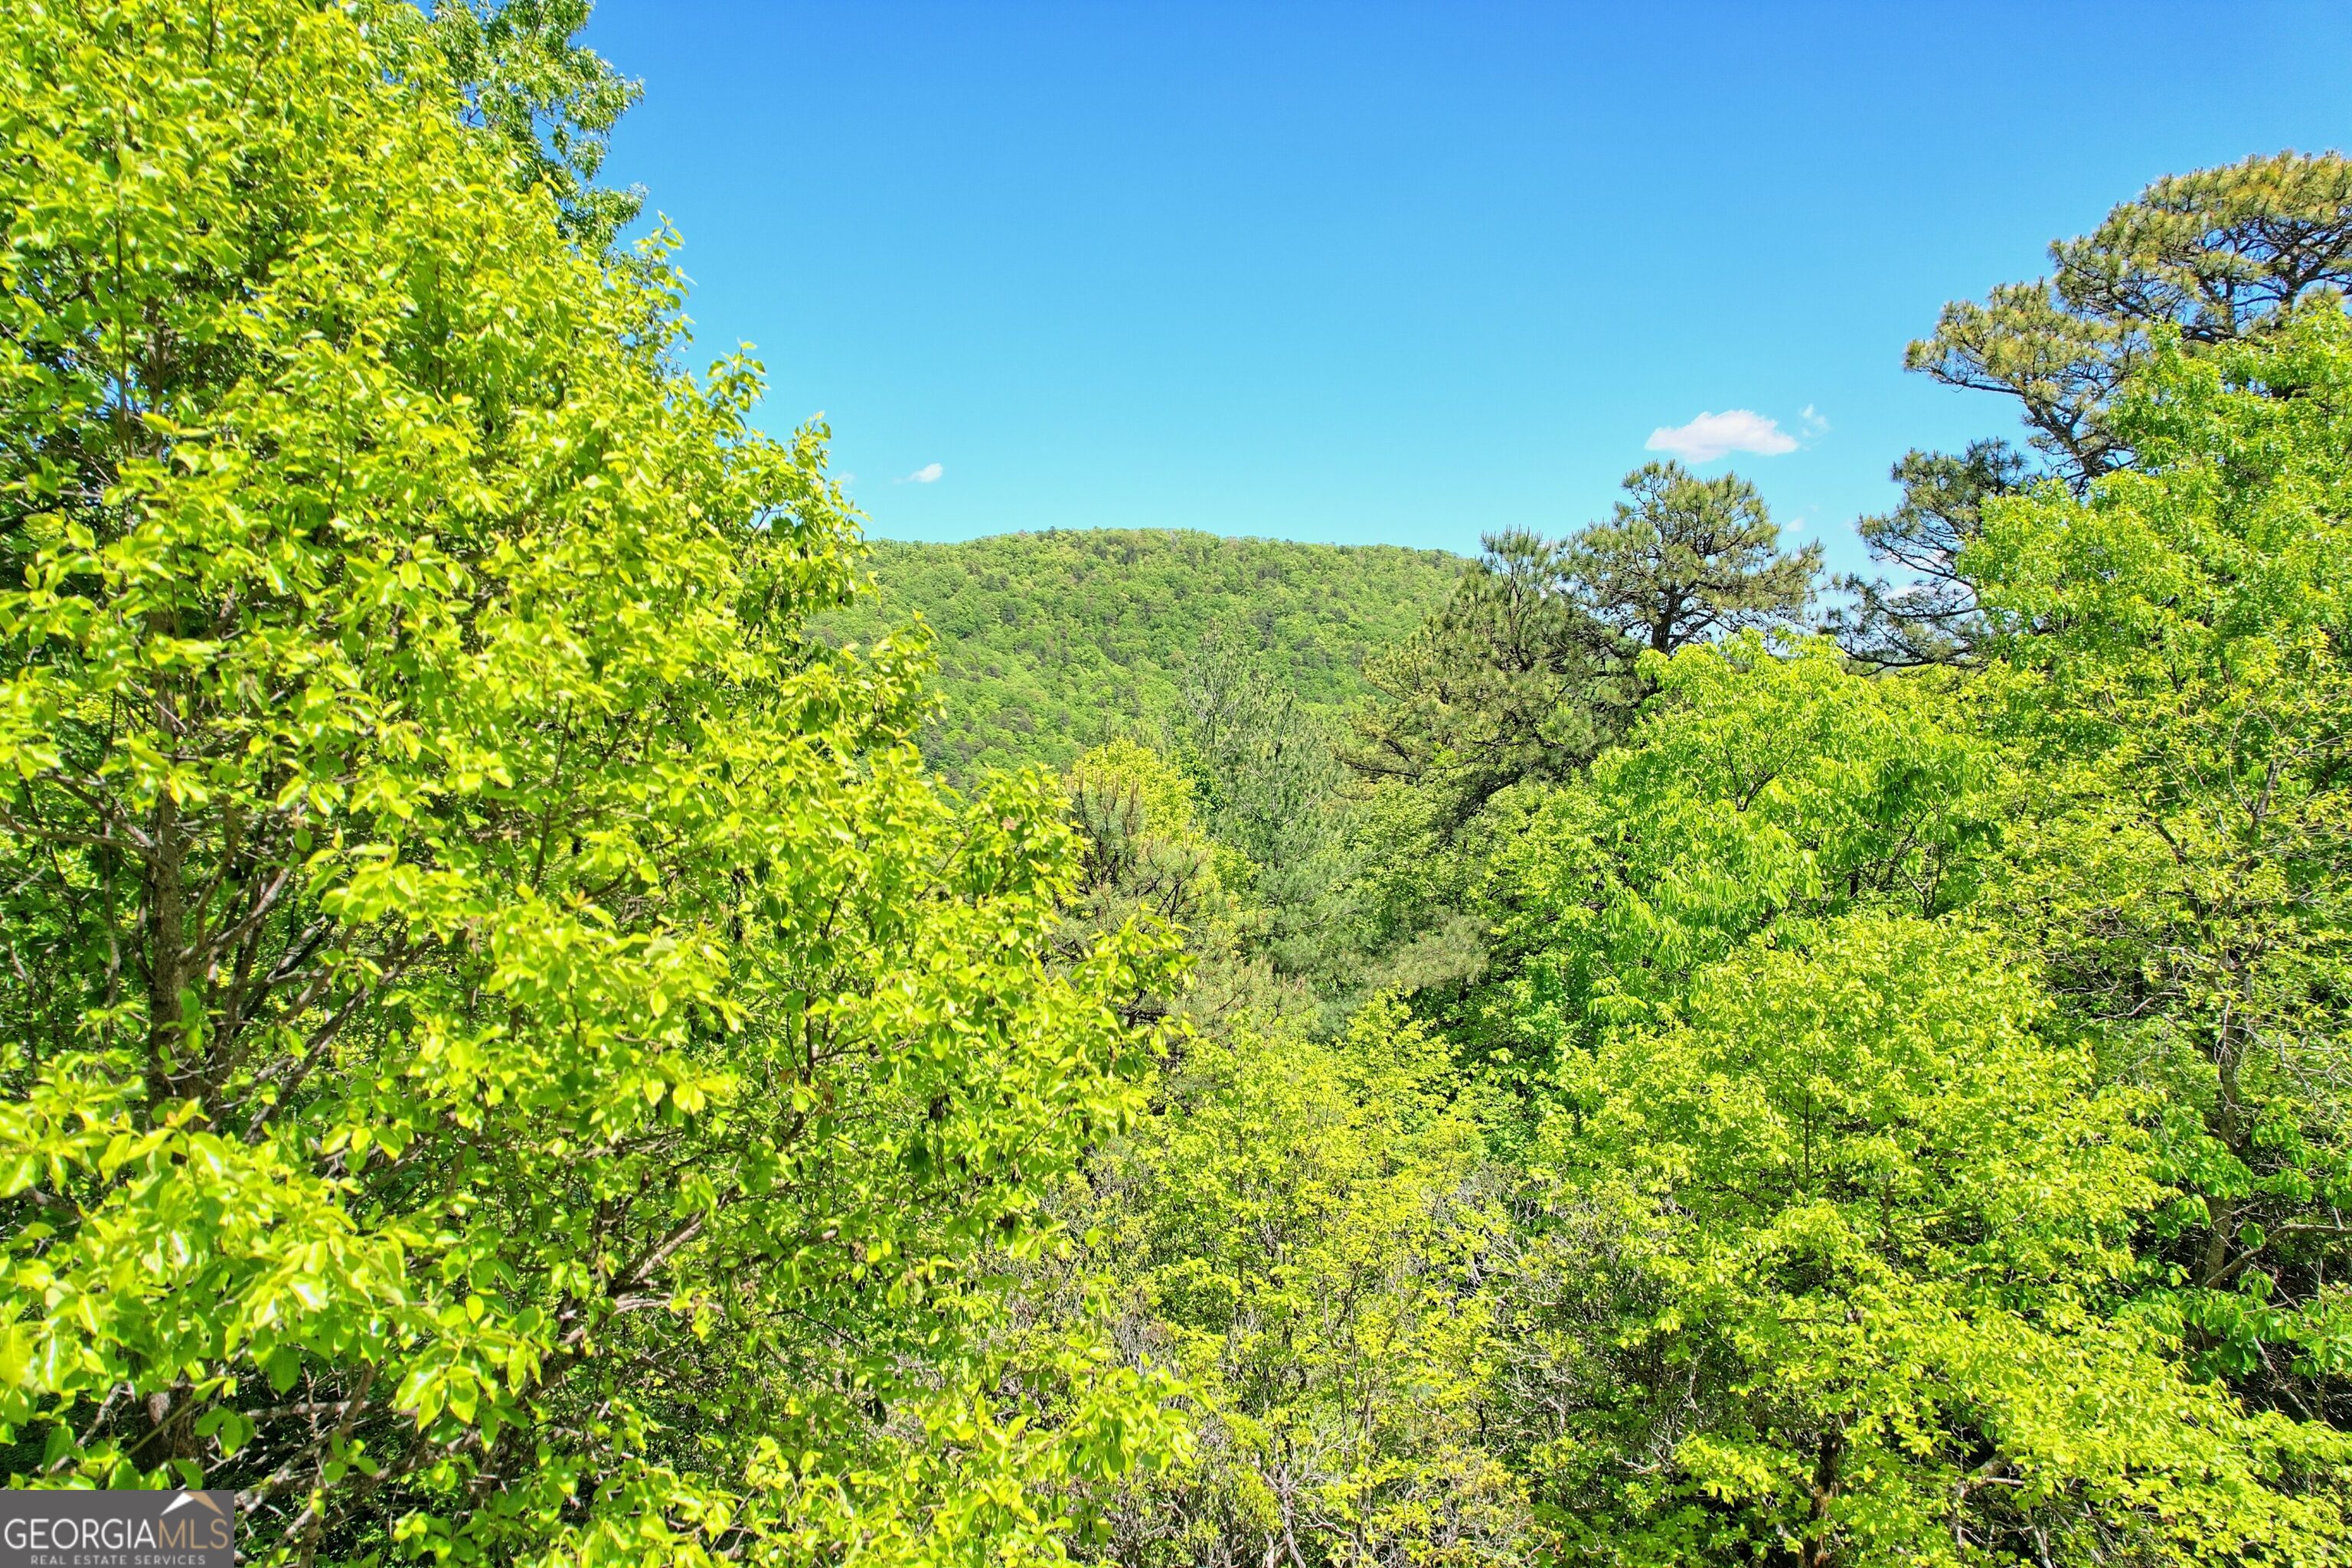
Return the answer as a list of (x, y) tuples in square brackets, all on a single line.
[(929, 474), (1815, 424), (1711, 435)]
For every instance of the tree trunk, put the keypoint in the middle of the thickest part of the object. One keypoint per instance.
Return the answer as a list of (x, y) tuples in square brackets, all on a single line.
[(1816, 1552), (167, 914)]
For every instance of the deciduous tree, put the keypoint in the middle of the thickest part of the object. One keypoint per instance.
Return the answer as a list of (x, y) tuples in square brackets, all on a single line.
[(1829, 1271), (2182, 842), (504, 1054)]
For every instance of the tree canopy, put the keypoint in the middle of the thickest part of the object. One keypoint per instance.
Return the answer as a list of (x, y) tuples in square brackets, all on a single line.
[(2213, 256), (1687, 558), (1529, 670), (510, 1054), (534, 1028), (2200, 261), (1052, 643)]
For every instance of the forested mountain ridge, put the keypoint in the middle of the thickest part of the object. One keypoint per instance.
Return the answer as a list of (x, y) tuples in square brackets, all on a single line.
[(1054, 641), (509, 1054)]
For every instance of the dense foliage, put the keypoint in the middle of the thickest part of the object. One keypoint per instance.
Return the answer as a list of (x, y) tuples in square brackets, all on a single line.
[(2204, 259), (506, 1053), (1053, 642), (512, 1052), (1854, 1118)]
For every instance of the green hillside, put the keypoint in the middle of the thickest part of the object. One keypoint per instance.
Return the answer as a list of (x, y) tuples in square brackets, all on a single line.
[(1051, 642)]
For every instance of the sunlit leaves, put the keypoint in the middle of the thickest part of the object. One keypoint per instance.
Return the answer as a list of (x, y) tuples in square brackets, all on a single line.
[(503, 1037)]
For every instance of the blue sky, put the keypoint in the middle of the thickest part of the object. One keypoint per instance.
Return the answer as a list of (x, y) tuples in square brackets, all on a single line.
[(1405, 274)]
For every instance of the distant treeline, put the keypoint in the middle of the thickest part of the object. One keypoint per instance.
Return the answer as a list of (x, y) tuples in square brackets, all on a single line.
[(1055, 641)]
